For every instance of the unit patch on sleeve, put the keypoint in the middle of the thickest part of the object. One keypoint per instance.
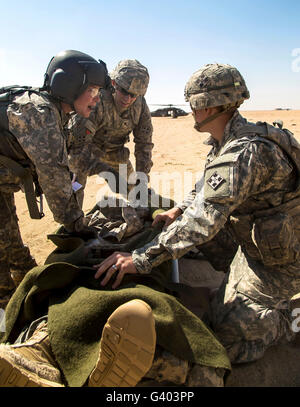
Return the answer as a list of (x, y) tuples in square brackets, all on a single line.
[(215, 180)]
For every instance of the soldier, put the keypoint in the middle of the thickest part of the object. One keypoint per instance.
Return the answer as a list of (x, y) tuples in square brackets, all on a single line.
[(33, 146), (251, 187), (122, 110)]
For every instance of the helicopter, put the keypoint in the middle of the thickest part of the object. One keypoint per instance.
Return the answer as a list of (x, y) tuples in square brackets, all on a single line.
[(169, 111)]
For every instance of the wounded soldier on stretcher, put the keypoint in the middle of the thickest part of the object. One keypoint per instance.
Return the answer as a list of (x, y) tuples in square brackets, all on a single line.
[(64, 327)]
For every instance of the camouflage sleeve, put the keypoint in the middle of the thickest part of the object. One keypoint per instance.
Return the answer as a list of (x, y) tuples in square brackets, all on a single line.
[(38, 131), (228, 182), (85, 155), (82, 131), (191, 196), (143, 141), (196, 225), (187, 202)]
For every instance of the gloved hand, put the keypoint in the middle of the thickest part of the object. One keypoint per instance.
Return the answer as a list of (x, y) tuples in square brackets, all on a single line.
[(79, 228)]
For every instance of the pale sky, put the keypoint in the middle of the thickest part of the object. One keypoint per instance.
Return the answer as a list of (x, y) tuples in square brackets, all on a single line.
[(172, 38)]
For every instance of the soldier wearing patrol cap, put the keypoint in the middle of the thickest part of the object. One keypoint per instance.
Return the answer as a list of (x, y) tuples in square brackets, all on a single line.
[(102, 138), (33, 148), (251, 189)]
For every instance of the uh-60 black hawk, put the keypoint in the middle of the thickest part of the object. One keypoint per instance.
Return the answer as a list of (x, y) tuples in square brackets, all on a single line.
[(169, 111)]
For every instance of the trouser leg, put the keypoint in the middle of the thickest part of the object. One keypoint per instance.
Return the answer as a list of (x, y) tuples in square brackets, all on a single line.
[(20, 259), (6, 283), (167, 367), (247, 327)]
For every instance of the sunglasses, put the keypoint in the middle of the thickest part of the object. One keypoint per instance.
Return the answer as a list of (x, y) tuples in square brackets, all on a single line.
[(94, 92), (125, 93)]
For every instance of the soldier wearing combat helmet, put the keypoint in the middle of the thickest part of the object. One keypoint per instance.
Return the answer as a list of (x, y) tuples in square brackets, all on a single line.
[(102, 138), (33, 148), (250, 189), (216, 85)]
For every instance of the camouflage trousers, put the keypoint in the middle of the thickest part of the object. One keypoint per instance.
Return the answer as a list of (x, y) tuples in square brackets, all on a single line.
[(15, 258), (245, 323), (166, 368)]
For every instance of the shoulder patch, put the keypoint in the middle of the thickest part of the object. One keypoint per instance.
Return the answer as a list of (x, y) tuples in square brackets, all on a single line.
[(218, 179), (215, 180)]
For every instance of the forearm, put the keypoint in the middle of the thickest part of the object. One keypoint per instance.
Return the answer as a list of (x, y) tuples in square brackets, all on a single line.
[(143, 157), (143, 142), (187, 201), (198, 190), (189, 230)]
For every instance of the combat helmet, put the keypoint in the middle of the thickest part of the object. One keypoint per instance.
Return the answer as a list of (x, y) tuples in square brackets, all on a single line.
[(132, 76), (70, 72), (216, 85)]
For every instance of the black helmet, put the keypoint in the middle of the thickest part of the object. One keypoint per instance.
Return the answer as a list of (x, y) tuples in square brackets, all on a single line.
[(70, 72)]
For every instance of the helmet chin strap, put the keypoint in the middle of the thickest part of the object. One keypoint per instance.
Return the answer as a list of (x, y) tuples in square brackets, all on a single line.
[(198, 125)]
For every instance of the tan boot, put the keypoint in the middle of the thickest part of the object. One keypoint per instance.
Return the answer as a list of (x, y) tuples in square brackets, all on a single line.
[(30, 364), (127, 346)]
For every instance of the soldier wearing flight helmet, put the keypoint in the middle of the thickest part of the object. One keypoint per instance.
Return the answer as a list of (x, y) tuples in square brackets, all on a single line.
[(33, 147)]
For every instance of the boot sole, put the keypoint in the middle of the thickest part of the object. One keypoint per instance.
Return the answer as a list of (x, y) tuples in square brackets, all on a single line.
[(15, 376), (127, 346)]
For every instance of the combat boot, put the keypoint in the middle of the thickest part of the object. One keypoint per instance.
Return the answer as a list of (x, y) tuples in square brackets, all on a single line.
[(127, 346), (30, 364)]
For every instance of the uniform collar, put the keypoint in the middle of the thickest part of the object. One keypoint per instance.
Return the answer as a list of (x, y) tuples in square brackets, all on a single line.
[(236, 122)]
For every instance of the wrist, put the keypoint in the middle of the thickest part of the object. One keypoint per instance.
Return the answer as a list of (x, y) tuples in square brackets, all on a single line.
[(140, 261)]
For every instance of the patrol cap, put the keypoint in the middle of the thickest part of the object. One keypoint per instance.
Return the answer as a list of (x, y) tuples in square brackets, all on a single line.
[(132, 76), (70, 72), (216, 85)]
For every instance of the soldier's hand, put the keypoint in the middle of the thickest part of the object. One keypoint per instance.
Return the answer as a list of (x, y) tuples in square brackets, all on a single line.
[(167, 217), (118, 264)]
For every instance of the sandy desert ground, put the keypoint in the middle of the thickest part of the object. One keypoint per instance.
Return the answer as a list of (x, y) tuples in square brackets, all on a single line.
[(178, 148)]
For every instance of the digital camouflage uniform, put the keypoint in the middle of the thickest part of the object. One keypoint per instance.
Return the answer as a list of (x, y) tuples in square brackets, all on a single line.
[(102, 137), (36, 124), (167, 368), (245, 174)]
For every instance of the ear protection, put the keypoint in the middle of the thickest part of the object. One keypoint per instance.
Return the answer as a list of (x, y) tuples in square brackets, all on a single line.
[(62, 84)]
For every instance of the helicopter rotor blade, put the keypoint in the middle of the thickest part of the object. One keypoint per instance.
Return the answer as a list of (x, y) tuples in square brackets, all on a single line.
[(169, 105)]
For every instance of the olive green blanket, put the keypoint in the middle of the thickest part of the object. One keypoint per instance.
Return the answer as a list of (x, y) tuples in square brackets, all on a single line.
[(78, 307)]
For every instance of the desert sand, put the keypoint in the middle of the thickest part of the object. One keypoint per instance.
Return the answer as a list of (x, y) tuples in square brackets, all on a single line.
[(178, 148)]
